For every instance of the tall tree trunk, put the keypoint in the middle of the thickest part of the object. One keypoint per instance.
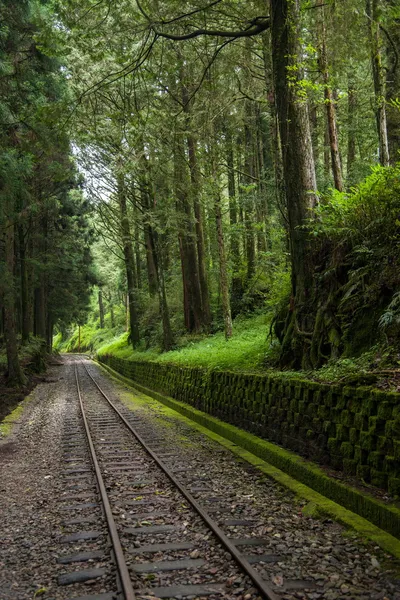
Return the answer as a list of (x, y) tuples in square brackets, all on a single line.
[(49, 332), (148, 206), (129, 261), (168, 338), (15, 374), (101, 309), (195, 188), (192, 304), (223, 271), (249, 195), (266, 166), (194, 192), (112, 317), (40, 310), (299, 175), (25, 308), (150, 259), (41, 289), (137, 256), (261, 198), (393, 85), (237, 283), (280, 192), (327, 162), (223, 266), (314, 131), (351, 130), (372, 9), (329, 103)]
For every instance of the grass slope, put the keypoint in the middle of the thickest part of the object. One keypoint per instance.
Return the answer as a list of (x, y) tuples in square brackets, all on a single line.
[(245, 351)]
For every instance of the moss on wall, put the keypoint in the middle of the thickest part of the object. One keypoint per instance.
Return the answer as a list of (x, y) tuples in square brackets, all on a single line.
[(356, 430)]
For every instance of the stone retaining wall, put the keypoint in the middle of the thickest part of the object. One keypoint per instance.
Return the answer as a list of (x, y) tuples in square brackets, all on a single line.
[(356, 430)]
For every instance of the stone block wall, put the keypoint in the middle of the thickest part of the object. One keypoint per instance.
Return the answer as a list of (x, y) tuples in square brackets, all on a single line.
[(354, 429)]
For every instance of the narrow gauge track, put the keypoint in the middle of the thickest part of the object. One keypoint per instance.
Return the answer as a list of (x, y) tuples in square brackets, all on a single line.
[(128, 475)]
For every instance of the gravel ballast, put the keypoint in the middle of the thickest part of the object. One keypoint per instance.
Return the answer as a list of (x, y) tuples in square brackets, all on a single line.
[(39, 484)]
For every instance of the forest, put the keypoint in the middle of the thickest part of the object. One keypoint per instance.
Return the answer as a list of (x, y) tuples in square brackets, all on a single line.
[(211, 182)]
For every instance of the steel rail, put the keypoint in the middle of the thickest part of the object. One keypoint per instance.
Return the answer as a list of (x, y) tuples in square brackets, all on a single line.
[(262, 585), (126, 583)]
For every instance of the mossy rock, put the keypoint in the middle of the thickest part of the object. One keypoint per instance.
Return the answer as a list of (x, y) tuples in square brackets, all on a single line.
[(385, 410), (347, 450), (394, 486), (354, 435), (349, 466), (375, 460), (378, 478), (342, 433), (363, 472)]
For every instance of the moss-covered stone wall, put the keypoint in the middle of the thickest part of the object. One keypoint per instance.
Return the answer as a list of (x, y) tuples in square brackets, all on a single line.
[(356, 430)]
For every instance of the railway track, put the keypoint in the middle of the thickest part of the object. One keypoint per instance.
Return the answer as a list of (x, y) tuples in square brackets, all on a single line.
[(137, 515)]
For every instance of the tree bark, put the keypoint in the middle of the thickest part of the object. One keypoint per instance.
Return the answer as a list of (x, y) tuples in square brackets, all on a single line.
[(40, 310), (129, 261), (168, 338), (249, 195), (237, 283), (137, 257), (280, 192), (150, 259), (192, 305), (112, 318), (25, 308), (223, 271), (299, 174), (372, 9), (329, 104), (101, 309), (194, 192), (15, 374), (393, 85), (195, 188), (351, 131), (41, 290)]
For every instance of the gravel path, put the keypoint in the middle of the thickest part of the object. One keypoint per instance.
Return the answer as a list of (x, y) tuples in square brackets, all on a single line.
[(29, 490), (333, 563)]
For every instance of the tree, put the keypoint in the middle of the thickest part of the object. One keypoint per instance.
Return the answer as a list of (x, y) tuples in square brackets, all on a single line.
[(37, 176)]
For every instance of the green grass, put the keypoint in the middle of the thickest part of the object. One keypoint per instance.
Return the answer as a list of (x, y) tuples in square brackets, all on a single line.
[(91, 338), (250, 350), (245, 351)]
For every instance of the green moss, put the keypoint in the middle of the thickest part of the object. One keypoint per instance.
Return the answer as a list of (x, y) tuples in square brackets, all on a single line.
[(9, 422), (349, 466), (396, 448), (373, 518), (310, 510), (354, 435), (394, 486), (378, 478), (347, 450)]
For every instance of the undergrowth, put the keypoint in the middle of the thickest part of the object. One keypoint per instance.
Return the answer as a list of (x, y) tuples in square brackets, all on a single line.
[(31, 355), (245, 351), (91, 338)]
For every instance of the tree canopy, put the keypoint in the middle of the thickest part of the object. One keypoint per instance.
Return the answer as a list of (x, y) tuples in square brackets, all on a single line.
[(213, 154)]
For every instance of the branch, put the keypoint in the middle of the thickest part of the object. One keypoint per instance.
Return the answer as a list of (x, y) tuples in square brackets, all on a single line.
[(394, 48), (257, 26)]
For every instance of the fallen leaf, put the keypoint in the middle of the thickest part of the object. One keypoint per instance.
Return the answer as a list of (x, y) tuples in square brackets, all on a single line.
[(277, 580)]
